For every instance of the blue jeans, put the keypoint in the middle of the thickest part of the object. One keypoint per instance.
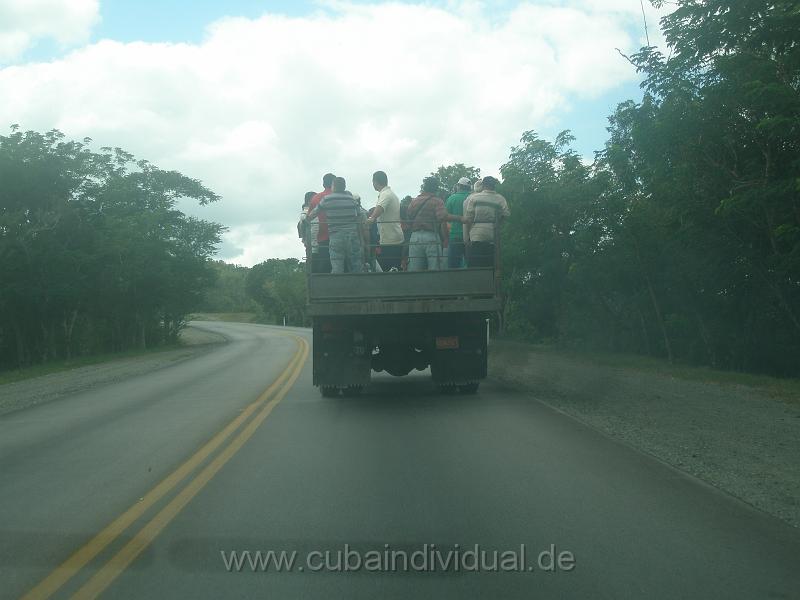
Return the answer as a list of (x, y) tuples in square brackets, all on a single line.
[(345, 246), (424, 251)]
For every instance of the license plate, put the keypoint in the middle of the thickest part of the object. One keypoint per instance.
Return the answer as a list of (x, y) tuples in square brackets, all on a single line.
[(447, 343)]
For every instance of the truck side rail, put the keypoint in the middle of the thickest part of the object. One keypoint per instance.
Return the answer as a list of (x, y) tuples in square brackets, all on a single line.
[(453, 283), (371, 292)]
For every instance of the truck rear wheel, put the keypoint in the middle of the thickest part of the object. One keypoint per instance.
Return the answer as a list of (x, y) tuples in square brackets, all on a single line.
[(328, 391)]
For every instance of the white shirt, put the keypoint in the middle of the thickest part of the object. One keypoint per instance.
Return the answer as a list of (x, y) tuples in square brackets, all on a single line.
[(389, 229)]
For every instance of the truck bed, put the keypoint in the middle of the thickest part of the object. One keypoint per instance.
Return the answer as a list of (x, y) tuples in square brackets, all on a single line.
[(454, 290)]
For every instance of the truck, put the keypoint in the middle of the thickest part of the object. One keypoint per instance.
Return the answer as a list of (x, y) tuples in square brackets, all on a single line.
[(398, 322)]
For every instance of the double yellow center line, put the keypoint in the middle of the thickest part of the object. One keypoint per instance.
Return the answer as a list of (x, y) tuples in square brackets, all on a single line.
[(126, 555)]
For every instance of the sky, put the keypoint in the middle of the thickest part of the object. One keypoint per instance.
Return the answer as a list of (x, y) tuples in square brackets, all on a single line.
[(259, 99)]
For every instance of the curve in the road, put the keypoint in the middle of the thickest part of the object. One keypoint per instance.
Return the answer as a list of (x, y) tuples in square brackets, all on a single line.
[(116, 565)]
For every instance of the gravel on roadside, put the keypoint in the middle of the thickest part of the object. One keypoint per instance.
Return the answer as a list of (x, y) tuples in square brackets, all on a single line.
[(30, 392), (735, 437)]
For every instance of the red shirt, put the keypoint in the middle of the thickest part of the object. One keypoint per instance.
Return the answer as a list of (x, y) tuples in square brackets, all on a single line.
[(323, 220)]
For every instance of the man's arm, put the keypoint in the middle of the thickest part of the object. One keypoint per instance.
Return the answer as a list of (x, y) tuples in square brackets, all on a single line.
[(376, 212), (380, 205), (469, 218), (504, 210), (443, 215), (363, 230)]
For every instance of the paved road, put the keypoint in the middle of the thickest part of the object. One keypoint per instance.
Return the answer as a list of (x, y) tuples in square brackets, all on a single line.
[(134, 489)]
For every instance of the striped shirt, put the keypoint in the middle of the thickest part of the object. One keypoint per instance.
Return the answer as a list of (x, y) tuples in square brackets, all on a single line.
[(341, 212), (484, 209)]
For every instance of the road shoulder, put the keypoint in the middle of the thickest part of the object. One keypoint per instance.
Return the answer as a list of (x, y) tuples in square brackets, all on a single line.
[(54, 386), (736, 437)]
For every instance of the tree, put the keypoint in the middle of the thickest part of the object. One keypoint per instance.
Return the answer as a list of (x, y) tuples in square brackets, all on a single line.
[(93, 255), (279, 287), (724, 125), (682, 239), (229, 293), (449, 175)]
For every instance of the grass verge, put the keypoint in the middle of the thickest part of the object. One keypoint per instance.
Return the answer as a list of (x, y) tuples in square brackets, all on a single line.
[(227, 317), (787, 389), (58, 366)]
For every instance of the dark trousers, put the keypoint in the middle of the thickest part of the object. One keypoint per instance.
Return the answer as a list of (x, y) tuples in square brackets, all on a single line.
[(481, 254), (390, 257), (455, 254), (321, 261)]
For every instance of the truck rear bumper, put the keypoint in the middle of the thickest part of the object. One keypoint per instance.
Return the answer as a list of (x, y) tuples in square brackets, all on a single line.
[(348, 348)]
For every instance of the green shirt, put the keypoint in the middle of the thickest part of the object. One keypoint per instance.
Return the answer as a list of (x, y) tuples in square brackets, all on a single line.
[(455, 206)]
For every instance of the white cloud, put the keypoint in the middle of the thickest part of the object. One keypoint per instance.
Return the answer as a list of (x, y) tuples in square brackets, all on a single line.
[(639, 12), (262, 108), (254, 245), (23, 22)]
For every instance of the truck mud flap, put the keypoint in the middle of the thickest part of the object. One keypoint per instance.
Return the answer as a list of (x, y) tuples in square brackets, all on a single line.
[(459, 351), (342, 356)]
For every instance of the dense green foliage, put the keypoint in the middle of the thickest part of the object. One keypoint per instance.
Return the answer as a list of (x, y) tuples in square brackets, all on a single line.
[(94, 257), (228, 294), (449, 175), (682, 240), (279, 288), (272, 290)]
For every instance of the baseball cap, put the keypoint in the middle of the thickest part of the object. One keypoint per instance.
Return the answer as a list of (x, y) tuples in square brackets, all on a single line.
[(464, 181)]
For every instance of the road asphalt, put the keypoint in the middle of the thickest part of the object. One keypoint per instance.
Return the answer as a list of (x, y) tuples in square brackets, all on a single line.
[(143, 488)]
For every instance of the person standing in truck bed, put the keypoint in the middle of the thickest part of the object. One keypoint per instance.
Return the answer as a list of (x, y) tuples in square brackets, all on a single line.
[(483, 212), (387, 214), (426, 213), (306, 230), (455, 206), (405, 225), (323, 263), (369, 238), (345, 228)]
